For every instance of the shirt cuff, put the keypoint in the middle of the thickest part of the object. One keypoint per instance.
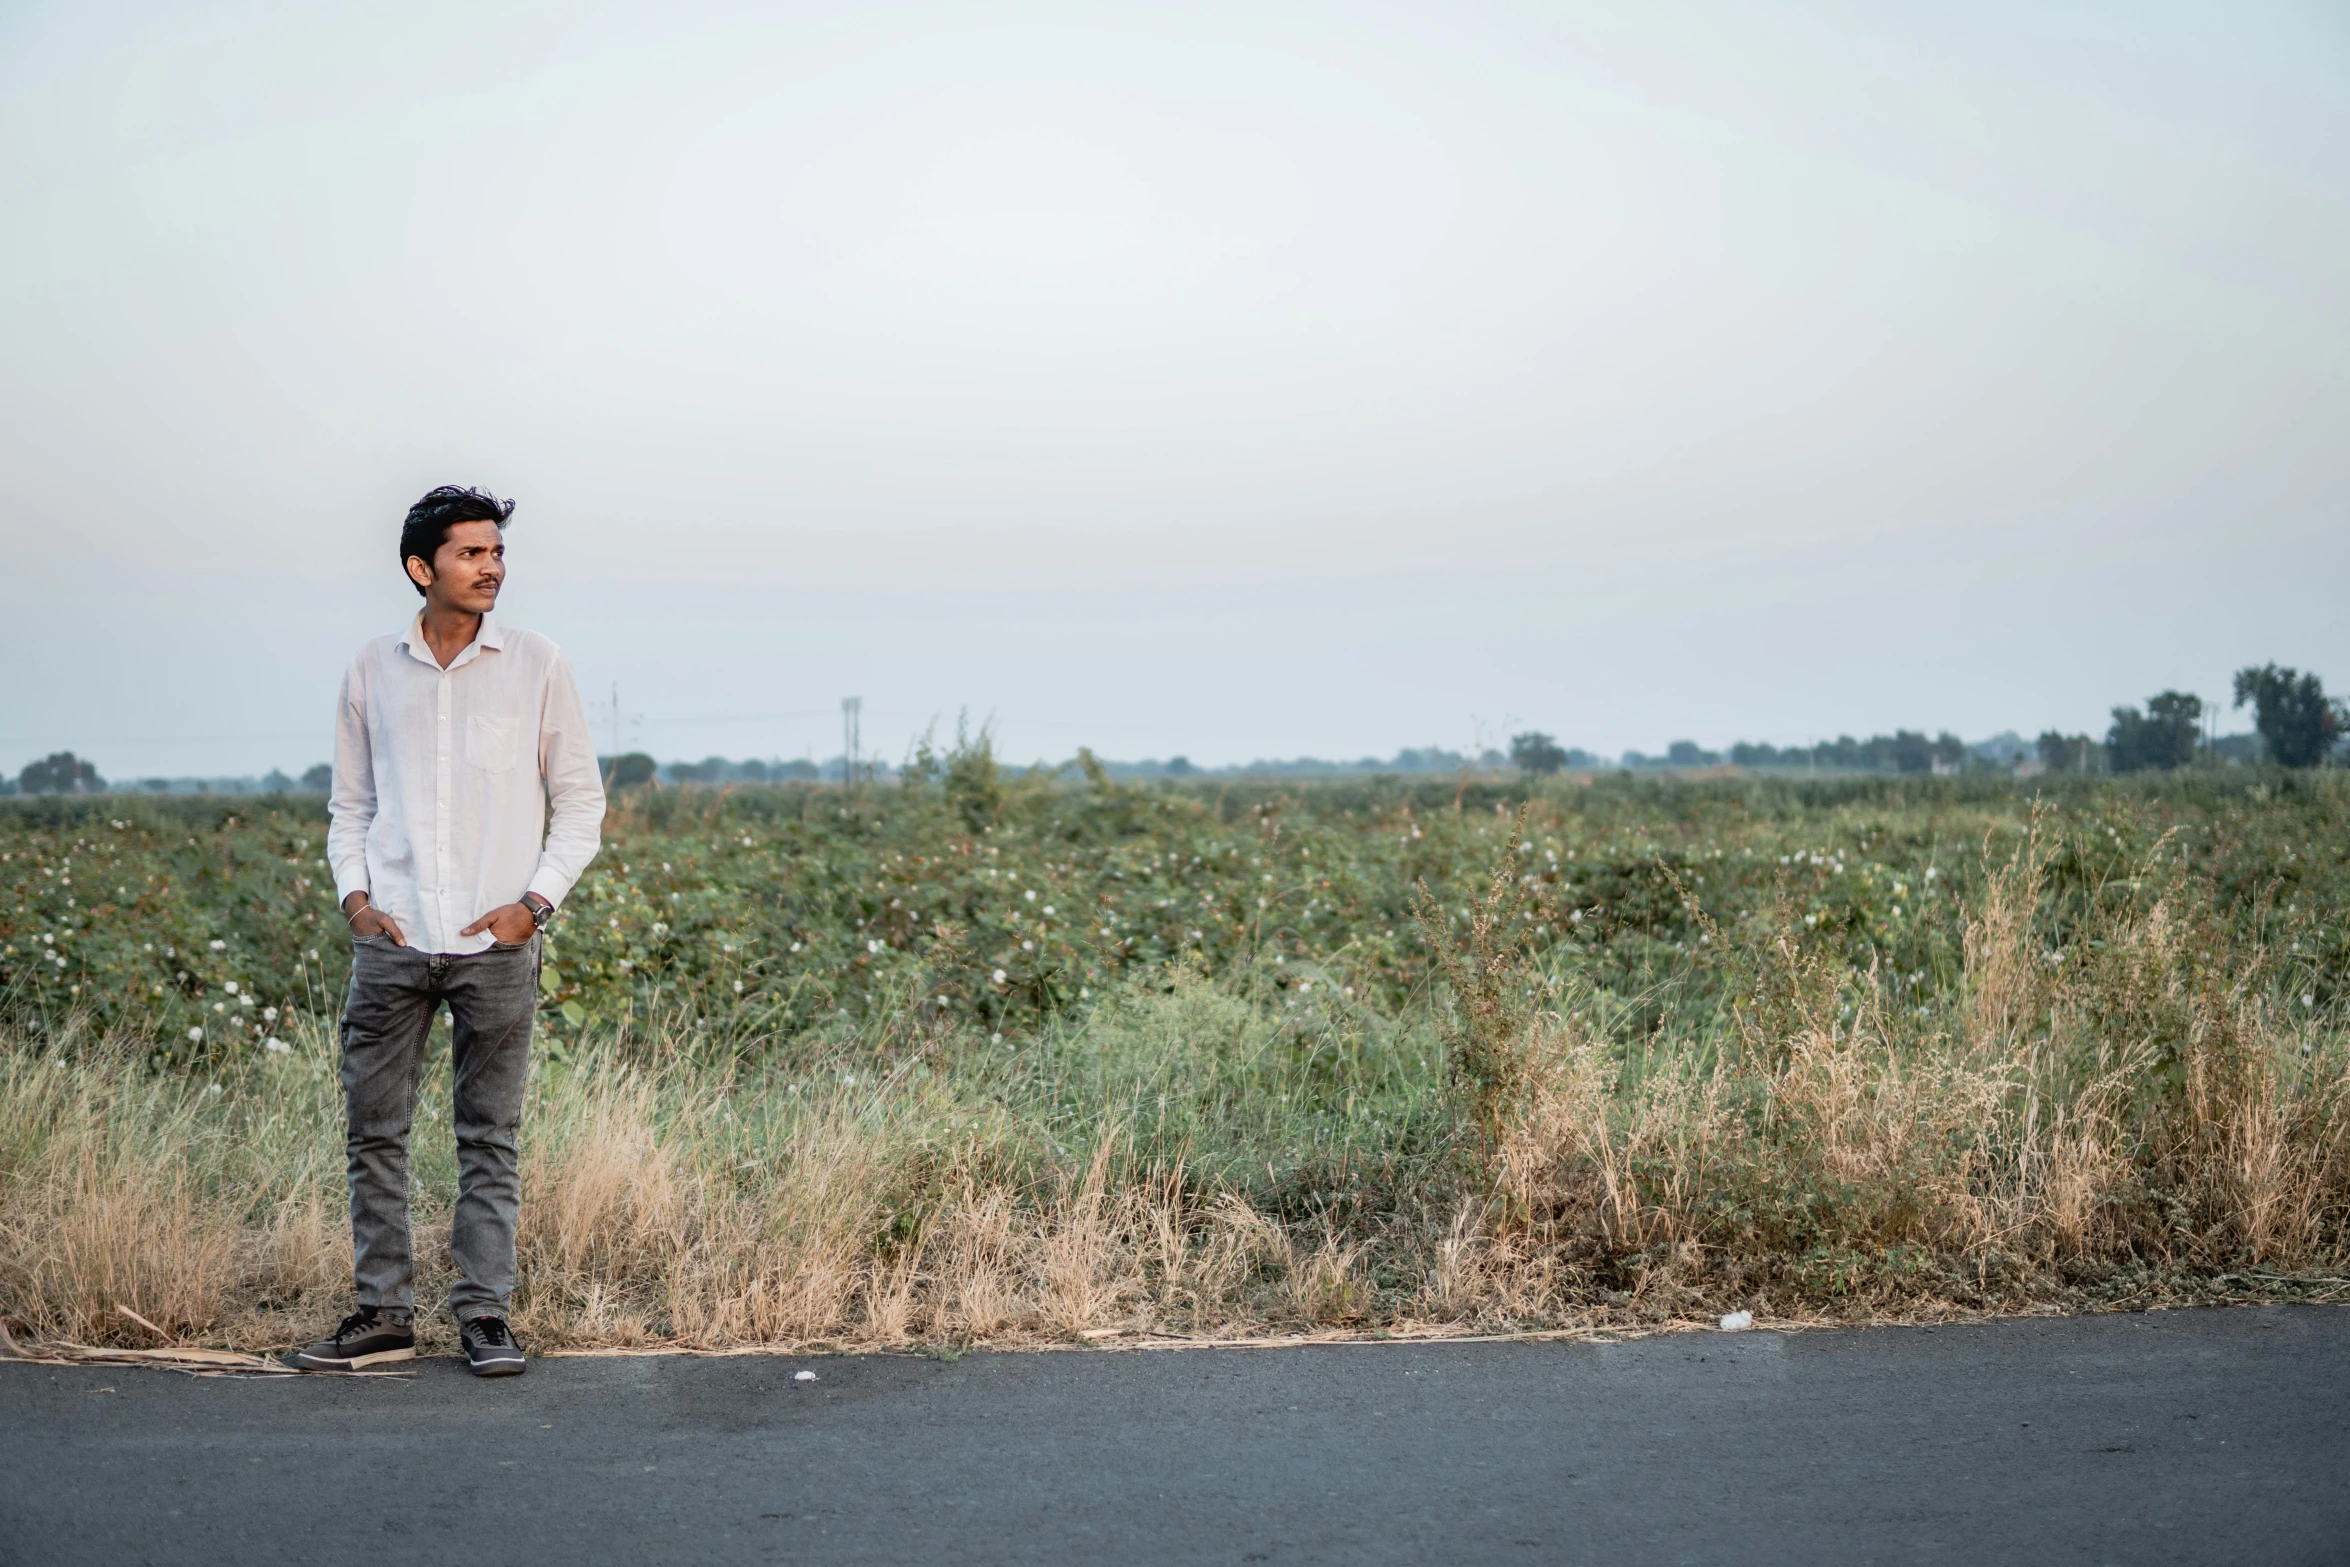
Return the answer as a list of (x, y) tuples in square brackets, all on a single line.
[(549, 884), (349, 879)]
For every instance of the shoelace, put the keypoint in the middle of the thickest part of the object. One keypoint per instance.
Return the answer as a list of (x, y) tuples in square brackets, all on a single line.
[(491, 1331), (356, 1323)]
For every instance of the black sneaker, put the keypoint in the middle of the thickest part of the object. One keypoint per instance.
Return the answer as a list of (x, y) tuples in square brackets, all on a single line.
[(489, 1349), (366, 1338)]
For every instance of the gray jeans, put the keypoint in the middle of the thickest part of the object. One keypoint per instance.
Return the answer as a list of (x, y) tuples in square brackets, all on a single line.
[(492, 999)]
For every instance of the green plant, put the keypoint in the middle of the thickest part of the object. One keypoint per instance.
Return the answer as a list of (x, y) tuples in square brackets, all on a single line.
[(1480, 953)]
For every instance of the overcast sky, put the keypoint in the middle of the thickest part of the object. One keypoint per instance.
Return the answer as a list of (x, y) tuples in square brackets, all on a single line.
[(1229, 380)]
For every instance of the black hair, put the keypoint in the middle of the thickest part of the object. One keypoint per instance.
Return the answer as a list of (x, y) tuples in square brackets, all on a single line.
[(442, 508)]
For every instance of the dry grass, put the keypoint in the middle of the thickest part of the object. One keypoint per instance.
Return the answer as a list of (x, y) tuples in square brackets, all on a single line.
[(2139, 1121), (121, 1188), (2140, 1114)]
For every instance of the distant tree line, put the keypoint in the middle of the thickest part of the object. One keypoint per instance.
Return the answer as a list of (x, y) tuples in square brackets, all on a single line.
[(64, 773), (1903, 751), (634, 769), (2295, 724), (1411, 759), (60, 772), (2296, 721)]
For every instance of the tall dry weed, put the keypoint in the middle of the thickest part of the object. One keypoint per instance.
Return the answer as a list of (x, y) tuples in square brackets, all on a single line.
[(2125, 1103), (119, 1189)]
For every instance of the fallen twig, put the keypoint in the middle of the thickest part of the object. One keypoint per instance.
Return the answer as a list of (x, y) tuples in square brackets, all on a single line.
[(191, 1360)]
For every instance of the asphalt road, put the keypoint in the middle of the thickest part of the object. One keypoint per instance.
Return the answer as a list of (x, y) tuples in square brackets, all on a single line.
[(2209, 1436)]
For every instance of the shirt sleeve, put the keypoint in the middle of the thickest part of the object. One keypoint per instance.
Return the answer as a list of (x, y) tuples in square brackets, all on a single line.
[(575, 790), (351, 803)]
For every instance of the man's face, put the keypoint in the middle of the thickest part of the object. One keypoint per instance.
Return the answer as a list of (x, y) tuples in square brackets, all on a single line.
[(467, 570)]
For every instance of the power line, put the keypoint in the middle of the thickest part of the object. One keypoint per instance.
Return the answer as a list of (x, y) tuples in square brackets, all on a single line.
[(767, 718), (633, 721)]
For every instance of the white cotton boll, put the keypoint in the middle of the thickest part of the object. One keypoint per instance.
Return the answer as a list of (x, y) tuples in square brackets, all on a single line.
[(803, 1376), (1738, 1322)]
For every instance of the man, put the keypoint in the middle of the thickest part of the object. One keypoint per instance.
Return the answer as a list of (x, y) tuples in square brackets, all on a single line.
[(465, 805)]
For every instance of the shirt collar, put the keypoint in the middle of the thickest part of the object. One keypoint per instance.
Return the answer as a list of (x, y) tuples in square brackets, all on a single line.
[(489, 636)]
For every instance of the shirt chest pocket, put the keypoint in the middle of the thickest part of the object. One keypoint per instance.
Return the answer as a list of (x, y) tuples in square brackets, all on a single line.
[(490, 742)]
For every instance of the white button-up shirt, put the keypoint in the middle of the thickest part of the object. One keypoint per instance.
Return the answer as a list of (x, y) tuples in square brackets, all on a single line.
[(444, 779)]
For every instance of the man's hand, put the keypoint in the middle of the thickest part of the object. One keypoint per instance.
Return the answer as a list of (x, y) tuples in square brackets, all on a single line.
[(508, 922), (367, 920)]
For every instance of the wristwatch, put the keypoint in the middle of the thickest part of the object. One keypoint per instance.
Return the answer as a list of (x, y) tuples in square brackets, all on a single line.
[(541, 911)]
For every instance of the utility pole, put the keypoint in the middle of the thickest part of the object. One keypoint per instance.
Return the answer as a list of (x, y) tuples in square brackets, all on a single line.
[(852, 709), (612, 770)]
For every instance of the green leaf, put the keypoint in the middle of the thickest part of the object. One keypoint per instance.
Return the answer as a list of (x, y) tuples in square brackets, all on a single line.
[(574, 1014), (550, 980)]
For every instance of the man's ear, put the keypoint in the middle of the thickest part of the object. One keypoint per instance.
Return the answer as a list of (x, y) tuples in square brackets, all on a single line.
[(418, 572)]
